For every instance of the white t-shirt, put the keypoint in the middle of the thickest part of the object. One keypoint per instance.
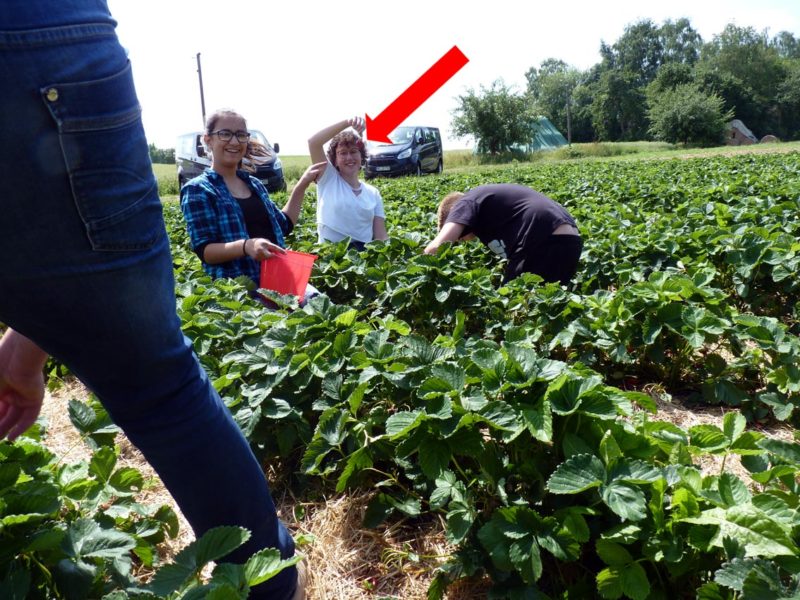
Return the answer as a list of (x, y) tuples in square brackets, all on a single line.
[(341, 212)]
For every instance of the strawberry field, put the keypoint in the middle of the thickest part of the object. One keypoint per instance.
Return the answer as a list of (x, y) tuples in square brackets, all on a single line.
[(522, 416)]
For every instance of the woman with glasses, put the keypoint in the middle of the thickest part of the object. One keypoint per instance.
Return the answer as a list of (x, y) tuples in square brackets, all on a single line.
[(232, 223), (346, 206)]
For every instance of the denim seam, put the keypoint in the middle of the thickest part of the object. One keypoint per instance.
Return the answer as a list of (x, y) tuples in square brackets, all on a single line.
[(54, 35), (75, 125)]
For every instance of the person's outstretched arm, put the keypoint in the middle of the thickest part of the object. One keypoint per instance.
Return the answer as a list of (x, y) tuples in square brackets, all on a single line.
[(295, 203), (318, 140), (449, 233), (21, 383)]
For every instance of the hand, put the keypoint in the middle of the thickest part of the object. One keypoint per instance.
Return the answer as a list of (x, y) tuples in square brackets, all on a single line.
[(21, 384), (313, 173), (358, 124), (262, 249), (431, 248)]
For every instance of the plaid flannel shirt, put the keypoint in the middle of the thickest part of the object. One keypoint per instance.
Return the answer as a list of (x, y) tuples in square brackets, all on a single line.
[(213, 215)]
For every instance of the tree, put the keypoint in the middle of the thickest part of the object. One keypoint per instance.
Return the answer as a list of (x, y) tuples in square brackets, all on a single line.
[(744, 68), (786, 45), (161, 155), (618, 108), (628, 66), (552, 87), (681, 43), (789, 102), (669, 76), (689, 115), (639, 51), (496, 117), (582, 129)]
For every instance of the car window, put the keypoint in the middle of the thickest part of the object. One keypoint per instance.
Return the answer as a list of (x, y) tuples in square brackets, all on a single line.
[(259, 137), (401, 135), (186, 143)]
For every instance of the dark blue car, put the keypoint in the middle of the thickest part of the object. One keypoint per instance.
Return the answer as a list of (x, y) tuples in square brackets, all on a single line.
[(414, 150)]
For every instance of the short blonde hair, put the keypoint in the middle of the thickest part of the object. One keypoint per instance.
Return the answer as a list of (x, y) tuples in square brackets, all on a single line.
[(446, 205)]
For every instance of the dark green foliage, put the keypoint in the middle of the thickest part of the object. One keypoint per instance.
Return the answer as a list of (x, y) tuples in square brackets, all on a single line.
[(753, 74), (688, 115), (496, 117), (517, 412), (162, 155), (517, 415)]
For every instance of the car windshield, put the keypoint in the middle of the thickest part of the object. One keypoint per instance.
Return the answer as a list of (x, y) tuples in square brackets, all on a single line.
[(401, 135), (259, 137)]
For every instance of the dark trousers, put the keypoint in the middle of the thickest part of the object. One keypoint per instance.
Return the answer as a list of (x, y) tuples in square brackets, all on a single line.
[(554, 260)]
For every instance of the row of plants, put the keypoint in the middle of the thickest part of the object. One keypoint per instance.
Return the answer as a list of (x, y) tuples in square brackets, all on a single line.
[(514, 411), (76, 530), (531, 461), (517, 413)]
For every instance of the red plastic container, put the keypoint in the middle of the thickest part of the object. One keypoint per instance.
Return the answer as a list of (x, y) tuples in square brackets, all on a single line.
[(287, 273)]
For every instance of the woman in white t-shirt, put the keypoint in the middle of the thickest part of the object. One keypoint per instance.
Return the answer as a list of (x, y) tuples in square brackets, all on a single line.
[(346, 206)]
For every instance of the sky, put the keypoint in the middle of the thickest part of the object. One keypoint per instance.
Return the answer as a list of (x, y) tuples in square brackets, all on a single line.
[(294, 67)]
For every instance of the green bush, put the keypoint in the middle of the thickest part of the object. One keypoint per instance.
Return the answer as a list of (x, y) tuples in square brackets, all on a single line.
[(689, 115)]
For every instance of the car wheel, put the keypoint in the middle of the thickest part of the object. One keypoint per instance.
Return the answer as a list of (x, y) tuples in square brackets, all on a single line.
[(419, 170), (440, 168)]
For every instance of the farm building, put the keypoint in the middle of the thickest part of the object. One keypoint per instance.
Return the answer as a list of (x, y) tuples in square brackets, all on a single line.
[(739, 134)]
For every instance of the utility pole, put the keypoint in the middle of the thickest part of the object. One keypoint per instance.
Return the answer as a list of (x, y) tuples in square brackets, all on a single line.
[(202, 97)]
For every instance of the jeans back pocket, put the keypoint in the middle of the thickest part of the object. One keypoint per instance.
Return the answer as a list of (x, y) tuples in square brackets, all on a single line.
[(107, 159)]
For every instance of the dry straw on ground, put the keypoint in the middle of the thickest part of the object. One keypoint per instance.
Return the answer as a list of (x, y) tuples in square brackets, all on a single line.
[(346, 561)]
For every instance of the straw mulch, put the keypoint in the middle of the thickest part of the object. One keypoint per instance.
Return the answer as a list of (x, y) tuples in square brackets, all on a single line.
[(345, 560)]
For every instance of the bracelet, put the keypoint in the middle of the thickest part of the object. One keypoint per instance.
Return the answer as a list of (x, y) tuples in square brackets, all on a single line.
[(244, 246)]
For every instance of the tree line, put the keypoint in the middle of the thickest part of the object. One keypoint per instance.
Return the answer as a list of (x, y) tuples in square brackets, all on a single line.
[(161, 155), (654, 83)]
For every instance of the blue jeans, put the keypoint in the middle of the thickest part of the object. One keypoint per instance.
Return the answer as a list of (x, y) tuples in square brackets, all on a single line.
[(86, 270)]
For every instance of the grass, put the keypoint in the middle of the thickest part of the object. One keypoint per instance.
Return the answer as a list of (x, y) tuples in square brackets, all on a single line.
[(293, 167), (167, 177), (465, 160)]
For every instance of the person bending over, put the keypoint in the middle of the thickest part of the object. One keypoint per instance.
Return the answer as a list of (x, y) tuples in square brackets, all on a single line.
[(534, 233)]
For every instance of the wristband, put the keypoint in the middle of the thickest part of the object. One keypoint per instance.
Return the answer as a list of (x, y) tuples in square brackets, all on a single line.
[(244, 246)]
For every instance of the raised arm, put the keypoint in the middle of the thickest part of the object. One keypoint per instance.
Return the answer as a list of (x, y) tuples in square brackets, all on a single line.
[(317, 141), (292, 208)]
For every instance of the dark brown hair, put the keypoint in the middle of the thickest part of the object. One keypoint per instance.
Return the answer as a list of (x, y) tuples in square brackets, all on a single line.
[(212, 119), (346, 138)]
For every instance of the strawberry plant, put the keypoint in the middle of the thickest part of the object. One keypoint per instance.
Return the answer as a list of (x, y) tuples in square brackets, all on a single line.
[(514, 414)]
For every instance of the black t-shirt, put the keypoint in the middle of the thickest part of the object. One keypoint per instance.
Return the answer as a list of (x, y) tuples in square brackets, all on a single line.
[(256, 219), (510, 219)]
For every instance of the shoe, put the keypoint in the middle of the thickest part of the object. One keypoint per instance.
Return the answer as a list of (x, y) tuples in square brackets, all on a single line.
[(302, 580)]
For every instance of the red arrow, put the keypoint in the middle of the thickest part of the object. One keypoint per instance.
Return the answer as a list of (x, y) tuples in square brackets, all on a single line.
[(418, 92)]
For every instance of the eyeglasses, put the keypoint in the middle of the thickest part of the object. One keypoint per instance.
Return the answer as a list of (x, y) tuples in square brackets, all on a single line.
[(226, 135), (348, 152)]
